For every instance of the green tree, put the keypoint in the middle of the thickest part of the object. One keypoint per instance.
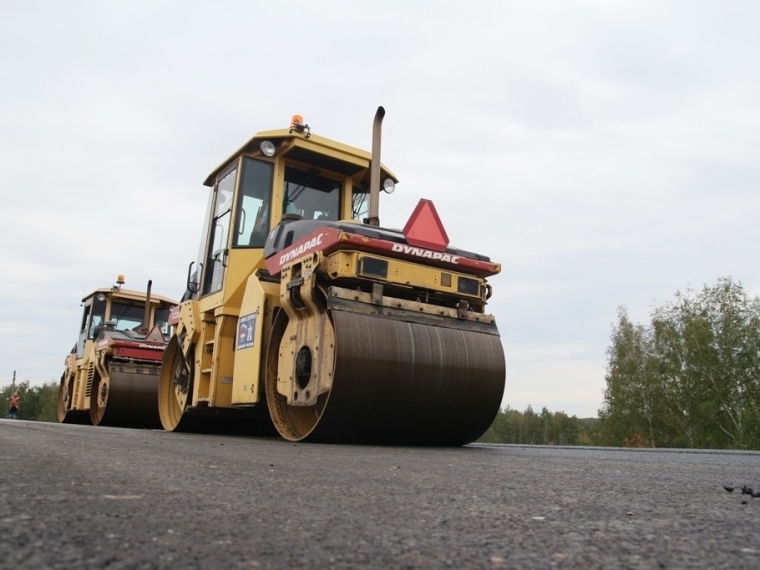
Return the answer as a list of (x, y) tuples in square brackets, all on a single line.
[(566, 430), (692, 377), (589, 432), (710, 343), (632, 398)]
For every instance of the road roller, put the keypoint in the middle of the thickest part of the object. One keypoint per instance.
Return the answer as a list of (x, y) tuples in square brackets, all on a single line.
[(303, 313), (111, 375)]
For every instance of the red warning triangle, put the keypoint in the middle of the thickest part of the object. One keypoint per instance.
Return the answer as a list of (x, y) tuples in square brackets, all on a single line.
[(424, 228)]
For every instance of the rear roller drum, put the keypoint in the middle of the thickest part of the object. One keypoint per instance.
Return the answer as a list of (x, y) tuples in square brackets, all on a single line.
[(177, 414), (174, 387), (63, 403)]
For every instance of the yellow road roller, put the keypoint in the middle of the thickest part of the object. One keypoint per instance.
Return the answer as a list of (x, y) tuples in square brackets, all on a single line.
[(111, 375), (303, 313)]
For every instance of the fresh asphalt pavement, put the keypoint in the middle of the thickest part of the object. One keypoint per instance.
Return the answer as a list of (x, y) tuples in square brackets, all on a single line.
[(95, 497)]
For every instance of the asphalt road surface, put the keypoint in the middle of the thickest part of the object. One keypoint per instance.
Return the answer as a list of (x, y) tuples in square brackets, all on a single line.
[(95, 497)]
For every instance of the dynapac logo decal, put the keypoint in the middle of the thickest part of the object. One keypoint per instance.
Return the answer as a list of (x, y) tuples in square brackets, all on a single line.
[(303, 248), (419, 252)]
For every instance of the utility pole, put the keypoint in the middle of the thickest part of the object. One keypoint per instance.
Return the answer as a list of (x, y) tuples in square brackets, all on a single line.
[(13, 385)]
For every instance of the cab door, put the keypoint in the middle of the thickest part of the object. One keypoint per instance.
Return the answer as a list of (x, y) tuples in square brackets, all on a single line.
[(84, 328), (92, 319), (217, 248)]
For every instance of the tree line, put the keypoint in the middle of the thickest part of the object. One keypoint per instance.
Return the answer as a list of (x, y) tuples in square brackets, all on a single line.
[(545, 428)]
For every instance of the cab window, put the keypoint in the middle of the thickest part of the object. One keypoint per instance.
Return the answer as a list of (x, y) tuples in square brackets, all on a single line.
[(161, 320), (127, 316), (310, 195), (98, 314), (86, 314), (359, 203), (216, 258), (252, 216)]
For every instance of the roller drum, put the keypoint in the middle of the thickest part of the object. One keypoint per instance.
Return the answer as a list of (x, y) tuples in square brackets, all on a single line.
[(127, 398), (401, 382)]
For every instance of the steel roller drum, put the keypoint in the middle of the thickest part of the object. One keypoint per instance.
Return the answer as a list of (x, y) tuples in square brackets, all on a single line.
[(399, 382), (128, 398)]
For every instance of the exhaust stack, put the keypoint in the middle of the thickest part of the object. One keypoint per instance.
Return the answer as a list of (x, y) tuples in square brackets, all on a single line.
[(374, 169), (146, 318)]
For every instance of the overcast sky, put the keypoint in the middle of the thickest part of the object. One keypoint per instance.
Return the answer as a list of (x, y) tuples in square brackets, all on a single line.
[(605, 153)]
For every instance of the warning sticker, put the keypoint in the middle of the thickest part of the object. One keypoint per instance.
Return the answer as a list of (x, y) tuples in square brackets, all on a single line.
[(246, 331)]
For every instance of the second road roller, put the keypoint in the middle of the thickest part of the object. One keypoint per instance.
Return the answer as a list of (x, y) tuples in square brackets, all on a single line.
[(303, 312), (111, 374)]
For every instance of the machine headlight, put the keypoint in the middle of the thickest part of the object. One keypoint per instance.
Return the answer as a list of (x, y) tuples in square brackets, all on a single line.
[(469, 286), (389, 185), (267, 148), (373, 266)]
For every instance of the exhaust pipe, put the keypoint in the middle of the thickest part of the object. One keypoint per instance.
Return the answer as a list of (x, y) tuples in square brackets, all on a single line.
[(146, 318), (374, 169)]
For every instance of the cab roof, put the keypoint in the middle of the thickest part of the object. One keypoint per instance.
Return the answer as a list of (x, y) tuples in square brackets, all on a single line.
[(131, 295), (313, 149)]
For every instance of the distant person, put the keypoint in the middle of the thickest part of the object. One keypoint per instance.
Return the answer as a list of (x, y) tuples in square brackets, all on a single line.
[(14, 406)]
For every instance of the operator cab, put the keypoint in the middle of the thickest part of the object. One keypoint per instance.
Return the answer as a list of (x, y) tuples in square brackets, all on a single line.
[(121, 310), (287, 172)]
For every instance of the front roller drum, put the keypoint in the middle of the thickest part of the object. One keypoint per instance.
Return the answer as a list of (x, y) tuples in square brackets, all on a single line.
[(128, 397), (394, 382)]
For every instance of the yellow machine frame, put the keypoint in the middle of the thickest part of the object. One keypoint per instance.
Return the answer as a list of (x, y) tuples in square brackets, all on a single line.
[(259, 341)]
